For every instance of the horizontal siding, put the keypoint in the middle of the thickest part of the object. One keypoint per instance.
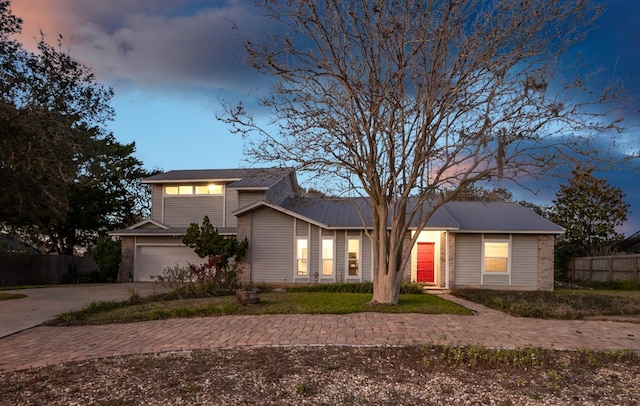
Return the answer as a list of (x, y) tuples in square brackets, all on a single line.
[(182, 211), (231, 204), (302, 228), (367, 259), (467, 262), (156, 202), (272, 247), (247, 198), (314, 254), (341, 256), (524, 261), (496, 279)]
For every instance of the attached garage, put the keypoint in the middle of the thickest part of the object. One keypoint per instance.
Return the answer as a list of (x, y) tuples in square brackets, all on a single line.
[(154, 259)]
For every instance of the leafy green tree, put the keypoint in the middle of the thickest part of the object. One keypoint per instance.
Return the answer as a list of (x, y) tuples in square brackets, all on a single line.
[(107, 253), (589, 209), (397, 101), (208, 243), (472, 192), (63, 178)]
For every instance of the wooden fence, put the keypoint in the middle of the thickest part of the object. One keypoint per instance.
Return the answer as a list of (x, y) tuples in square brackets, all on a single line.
[(606, 268), (36, 269)]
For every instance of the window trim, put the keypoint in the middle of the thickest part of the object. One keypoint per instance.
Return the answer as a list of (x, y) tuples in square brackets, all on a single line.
[(332, 259), (210, 186), (296, 271), (507, 241), (358, 274)]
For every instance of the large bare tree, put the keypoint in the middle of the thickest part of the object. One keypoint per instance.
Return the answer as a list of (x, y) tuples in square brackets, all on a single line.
[(398, 101)]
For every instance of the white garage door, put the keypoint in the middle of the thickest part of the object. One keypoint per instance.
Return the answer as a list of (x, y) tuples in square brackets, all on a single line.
[(152, 260)]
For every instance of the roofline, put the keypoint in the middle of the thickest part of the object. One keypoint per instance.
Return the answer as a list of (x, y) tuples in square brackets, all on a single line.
[(250, 188), (200, 180), (146, 221), (256, 205), (510, 231)]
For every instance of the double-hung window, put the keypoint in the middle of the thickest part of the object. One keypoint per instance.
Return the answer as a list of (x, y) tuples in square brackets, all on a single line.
[(327, 256), (302, 257), (353, 257), (496, 256)]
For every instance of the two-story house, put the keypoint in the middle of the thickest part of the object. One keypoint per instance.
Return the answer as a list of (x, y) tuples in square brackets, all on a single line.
[(294, 239)]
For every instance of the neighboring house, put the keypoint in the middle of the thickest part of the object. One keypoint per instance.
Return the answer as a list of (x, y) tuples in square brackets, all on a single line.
[(293, 239), (630, 245)]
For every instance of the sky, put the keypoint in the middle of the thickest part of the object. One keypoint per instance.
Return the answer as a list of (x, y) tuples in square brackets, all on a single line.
[(172, 62)]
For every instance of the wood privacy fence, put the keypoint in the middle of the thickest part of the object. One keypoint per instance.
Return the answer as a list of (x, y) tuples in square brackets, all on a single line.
[(606, 268), (36, 269)]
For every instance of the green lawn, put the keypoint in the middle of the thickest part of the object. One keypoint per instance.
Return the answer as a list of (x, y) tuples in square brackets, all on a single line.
[(270, 303)]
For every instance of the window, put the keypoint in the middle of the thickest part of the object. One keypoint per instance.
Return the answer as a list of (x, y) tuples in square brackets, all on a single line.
[(353, 249), (302, 260), (496, 256), (327, 257), (210, 189)]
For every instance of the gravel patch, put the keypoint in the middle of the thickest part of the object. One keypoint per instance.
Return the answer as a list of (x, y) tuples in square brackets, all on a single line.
[(332, 375)]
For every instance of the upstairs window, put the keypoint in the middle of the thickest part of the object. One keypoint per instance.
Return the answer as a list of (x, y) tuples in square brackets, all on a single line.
[(183, 190)]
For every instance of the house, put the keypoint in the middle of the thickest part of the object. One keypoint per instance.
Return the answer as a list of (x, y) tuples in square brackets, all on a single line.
[(294, 239)]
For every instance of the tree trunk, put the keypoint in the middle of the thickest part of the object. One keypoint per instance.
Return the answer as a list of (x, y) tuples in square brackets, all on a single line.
[(386, 275)]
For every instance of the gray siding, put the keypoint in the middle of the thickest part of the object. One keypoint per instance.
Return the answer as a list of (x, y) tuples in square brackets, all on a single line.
[(272, 247), (247, 198), (524, 261), (182, 211), (341, 256), (302, 228), (231, 204), (367, 259), (468, 251), (156, 202), (314, 254)]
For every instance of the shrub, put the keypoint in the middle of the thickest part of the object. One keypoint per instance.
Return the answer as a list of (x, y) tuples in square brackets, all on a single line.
[(203, 280)]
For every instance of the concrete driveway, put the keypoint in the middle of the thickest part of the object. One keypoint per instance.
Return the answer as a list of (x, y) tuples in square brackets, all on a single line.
[(43, 304)]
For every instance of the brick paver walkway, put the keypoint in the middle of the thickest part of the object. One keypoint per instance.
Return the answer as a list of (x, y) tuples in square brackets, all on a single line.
[(42, 346)]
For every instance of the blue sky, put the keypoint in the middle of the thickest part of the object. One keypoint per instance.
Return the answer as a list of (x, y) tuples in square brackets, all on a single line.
[(170, 63)]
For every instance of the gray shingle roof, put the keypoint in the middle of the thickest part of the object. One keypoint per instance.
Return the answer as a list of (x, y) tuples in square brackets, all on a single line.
[(241, 178)]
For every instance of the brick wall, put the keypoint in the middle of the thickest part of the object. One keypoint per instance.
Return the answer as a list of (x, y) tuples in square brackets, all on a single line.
[(545, 262), (128, 253)]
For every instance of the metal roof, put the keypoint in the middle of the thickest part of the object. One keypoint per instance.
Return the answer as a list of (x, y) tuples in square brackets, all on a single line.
[(336, 213), (478, 217), (259, 178), (499, 217)]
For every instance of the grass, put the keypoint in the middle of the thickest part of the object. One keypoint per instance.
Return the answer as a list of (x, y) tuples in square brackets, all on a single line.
[(566, 304), (10, 296), (157, 307)]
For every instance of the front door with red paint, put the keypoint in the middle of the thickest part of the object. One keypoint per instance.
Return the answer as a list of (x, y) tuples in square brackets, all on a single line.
[(425, 268)]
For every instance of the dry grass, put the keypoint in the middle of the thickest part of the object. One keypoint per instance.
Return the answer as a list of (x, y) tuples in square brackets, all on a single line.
[(562, 303), (434, 375)]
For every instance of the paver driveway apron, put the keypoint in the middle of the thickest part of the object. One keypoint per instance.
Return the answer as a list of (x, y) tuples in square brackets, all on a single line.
[(52, 345)]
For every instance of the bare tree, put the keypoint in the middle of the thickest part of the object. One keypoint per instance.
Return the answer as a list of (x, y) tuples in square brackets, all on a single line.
[(400, 100)]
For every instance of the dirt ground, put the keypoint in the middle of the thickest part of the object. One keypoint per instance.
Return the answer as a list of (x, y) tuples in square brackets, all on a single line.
[(335, 375)]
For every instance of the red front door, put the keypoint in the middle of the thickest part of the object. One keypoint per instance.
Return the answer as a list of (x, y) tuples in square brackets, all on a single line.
[(426, 272)]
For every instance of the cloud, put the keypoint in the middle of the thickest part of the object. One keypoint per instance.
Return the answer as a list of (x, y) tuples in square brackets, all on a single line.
[(148, 44)]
